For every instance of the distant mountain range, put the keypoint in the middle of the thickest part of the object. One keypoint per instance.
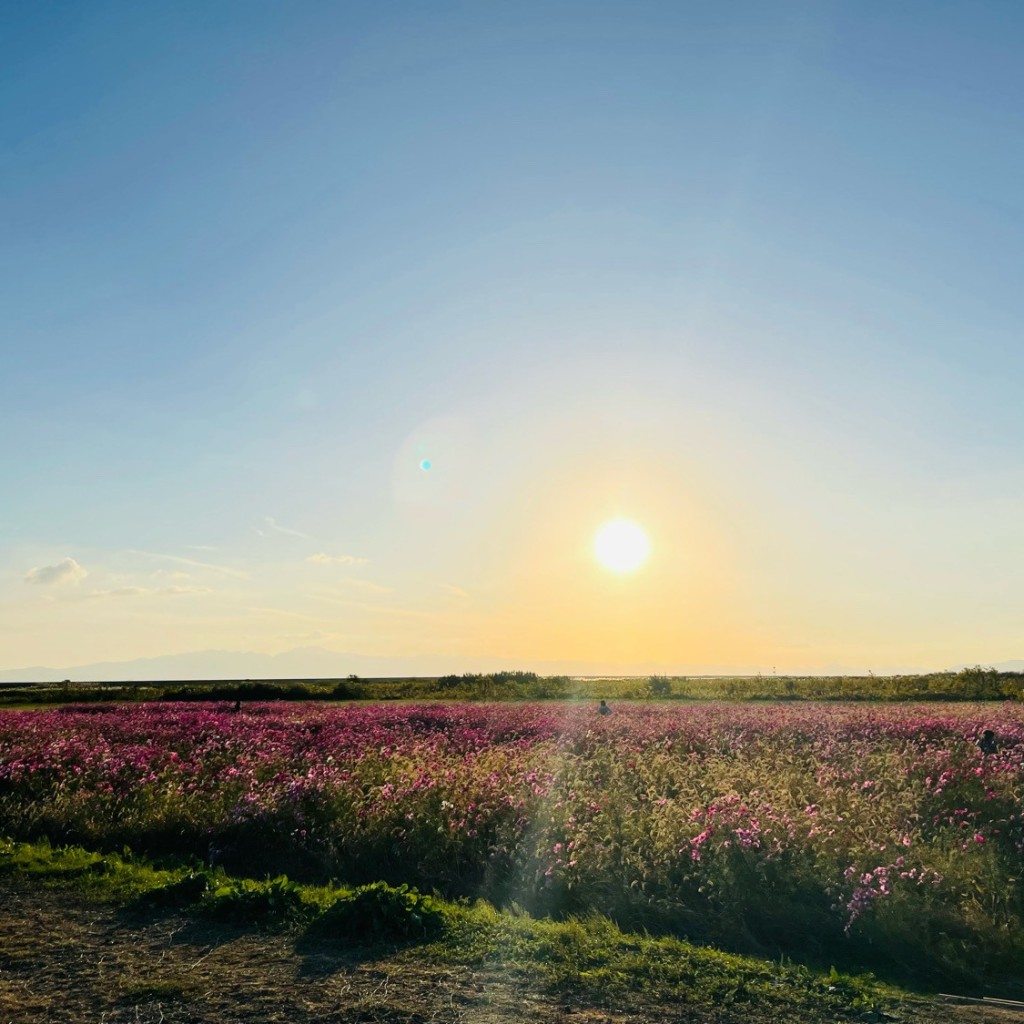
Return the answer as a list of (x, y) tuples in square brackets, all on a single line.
[(319, 663), (300, 663)]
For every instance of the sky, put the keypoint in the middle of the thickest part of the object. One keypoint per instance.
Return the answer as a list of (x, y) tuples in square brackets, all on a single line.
[(746, 274)]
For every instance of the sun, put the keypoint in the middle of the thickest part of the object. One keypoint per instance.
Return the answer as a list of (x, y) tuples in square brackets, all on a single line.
[(621, 545)]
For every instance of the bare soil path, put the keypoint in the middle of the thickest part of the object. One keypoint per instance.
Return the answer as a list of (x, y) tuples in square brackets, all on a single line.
[(63, 959)]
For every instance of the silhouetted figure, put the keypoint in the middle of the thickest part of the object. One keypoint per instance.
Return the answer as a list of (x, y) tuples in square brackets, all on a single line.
[(238, 706), (988, 743), (603, 709)]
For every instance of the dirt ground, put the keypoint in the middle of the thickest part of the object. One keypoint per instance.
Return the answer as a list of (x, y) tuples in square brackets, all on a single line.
[(66, 960)]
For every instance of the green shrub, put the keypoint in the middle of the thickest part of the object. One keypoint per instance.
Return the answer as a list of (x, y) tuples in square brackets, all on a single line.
[(659, 686), (274, 903), (381, 912)]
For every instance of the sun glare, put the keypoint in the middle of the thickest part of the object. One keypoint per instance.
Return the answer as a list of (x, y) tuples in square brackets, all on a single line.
[(621, 545)]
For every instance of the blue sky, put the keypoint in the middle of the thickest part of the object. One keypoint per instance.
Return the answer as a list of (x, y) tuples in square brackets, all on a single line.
[(747, 273)]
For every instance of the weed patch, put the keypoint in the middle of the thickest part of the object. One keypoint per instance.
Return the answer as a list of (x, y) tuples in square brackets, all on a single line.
[(381, 912), (274, 904)]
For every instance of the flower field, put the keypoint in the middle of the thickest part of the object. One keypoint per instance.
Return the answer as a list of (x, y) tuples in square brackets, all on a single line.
[(844, 833)]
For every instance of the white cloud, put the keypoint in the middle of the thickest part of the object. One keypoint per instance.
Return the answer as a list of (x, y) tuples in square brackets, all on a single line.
[(322, 558), (454, 590), (149, 591), (67, 571), (287, 530)]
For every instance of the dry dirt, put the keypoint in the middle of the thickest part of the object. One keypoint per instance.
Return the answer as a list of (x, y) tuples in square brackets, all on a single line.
[(66, 960)]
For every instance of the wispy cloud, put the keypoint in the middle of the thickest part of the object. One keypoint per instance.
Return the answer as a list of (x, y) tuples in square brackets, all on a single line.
[(273, 524), (322, 558), (222, 569), (450, 588), (173, 590), (67, 571)]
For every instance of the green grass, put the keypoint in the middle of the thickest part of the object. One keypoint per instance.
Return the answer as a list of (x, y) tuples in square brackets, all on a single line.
[(593, 959), (109, 876), (587, 959)]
